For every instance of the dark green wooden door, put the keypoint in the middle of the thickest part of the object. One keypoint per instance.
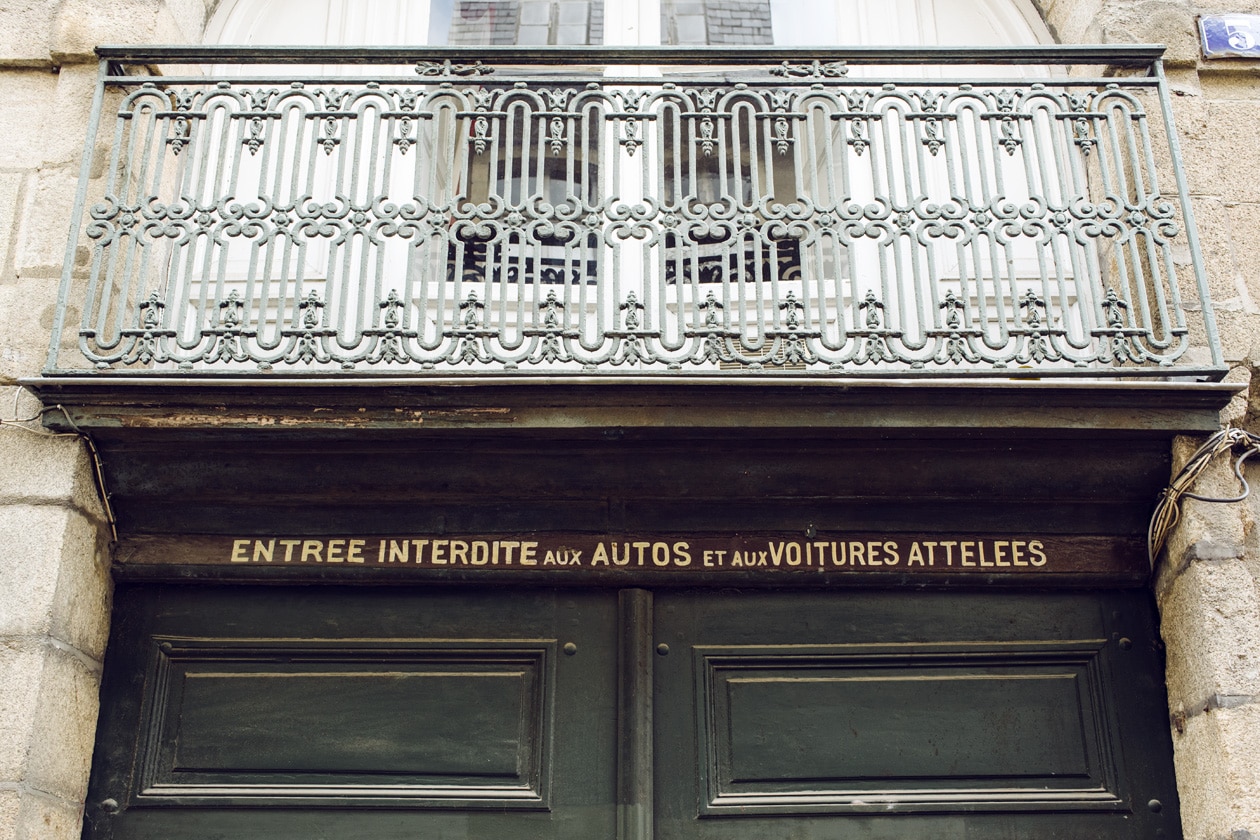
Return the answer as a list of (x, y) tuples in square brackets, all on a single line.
[(332, 712), (315, 712)]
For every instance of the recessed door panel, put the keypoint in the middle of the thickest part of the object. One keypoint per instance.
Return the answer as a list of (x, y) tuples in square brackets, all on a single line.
[(877, 714), (943, 728), (414, 722)]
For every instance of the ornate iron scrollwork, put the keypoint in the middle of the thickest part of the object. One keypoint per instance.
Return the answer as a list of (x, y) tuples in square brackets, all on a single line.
[(480, 218)]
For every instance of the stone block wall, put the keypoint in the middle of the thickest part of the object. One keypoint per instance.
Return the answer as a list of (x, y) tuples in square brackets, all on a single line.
[(1208, 590), (54, 621), (54, 561)]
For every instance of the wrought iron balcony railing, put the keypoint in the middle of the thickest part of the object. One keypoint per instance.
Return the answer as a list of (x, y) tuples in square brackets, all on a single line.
[(872, 211)]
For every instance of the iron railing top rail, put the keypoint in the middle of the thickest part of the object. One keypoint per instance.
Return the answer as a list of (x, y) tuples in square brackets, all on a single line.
[(1116, 55)]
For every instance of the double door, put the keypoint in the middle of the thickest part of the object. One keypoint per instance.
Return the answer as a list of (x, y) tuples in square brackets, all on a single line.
[(478, 714)]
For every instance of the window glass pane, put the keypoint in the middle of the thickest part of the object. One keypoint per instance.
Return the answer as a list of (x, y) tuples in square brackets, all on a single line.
[(905, 22), (716, 22), (332, 22), (799, 23), (526, 22), (485, 22)]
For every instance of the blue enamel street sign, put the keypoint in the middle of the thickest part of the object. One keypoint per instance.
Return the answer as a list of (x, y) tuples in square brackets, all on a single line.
[(1234, 35)]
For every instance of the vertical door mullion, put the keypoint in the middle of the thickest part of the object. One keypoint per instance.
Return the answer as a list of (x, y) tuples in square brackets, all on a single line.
[(634, 716)]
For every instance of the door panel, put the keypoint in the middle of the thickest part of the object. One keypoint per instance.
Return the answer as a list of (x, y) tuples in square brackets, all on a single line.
[(812, 715), (419, 723), (319, 712), (836, 729)]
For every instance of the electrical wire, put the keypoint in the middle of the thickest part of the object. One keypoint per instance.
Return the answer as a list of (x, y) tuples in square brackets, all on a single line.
[(98, 467), (1168, 511)]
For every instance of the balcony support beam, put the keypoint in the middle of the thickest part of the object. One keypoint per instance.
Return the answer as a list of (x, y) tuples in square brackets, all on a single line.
[(239, 457)]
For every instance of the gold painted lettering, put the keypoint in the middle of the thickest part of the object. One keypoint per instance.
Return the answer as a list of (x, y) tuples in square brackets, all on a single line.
[(857, 554), (682, 554), (966, 550), (999, 551), (822, 552), (660, 554), (916, 555), (509, 548), (1017, 552), (983, 561), (792, 554), (893, 552), (642, 546), (776, 553), (1038, 556), (872, 554), (264, 551)]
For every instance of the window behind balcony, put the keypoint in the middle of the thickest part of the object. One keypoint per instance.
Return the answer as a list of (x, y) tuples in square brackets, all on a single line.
[(586, 22)]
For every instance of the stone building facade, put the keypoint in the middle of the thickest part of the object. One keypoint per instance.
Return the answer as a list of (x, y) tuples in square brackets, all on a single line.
[(56, 538)]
